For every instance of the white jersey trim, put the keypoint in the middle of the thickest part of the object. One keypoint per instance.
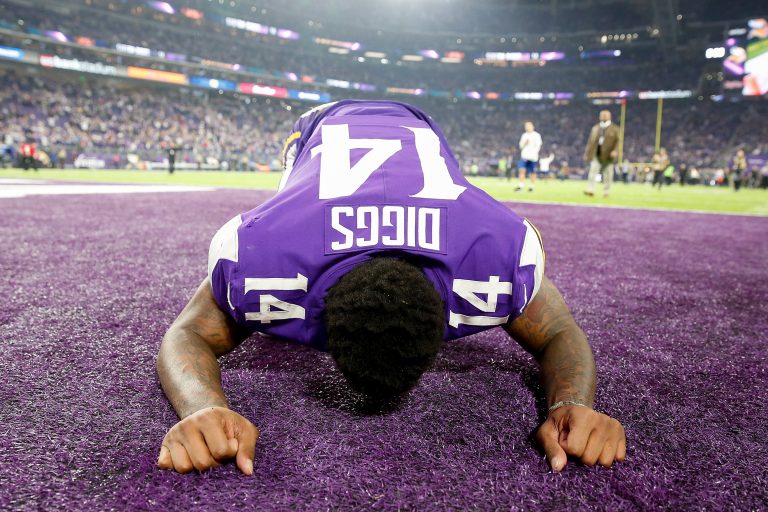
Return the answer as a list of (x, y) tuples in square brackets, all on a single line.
[(224, 245), (532, 254)]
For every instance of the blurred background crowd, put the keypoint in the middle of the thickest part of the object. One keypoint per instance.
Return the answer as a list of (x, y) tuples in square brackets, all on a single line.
[(75, 119)]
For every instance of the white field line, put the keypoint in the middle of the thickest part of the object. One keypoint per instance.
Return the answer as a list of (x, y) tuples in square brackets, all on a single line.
[(8, 190)]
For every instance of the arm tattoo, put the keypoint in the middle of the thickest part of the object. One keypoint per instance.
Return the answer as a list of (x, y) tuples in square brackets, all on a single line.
[(187, 365), (547, 330), (189, 373)]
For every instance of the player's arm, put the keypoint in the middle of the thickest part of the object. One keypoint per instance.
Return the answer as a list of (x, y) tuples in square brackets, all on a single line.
[(547, 330), (208, 432)]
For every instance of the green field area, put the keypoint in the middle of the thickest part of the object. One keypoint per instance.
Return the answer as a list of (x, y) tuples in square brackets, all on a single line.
[(674, 197)]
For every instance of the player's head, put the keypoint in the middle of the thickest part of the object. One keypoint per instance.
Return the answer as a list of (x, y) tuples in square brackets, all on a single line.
[(529, 126), (740, 153), (384, 322), (605, 116)]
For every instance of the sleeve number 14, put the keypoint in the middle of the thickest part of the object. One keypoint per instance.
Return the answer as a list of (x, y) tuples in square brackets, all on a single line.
[(471, 291)]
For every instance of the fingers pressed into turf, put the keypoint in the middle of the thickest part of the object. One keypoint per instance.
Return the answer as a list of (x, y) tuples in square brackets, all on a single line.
[(621, 453), (548, 436), (181, 460), (217, 442), (198, 451), (594, 448), (164, 461), (246, 437), (608, 455)]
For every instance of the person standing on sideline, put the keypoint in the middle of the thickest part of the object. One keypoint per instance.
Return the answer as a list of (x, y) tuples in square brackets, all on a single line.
[(503, 168), (530, 145), (764, 177), (171, 151), (29, 154), (660, 164), (669, 174), (739, 169), (626, 171), (683, 171), (61, 157), (545, 165), (601, 153)]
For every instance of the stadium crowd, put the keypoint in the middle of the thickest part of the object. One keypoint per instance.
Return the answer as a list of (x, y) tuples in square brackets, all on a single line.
[(96, 118), (115, 120), (290, 60)]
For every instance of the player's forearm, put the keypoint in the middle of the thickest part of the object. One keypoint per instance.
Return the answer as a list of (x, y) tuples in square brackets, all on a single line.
[(548, 331), (568, 368), (189, 372)]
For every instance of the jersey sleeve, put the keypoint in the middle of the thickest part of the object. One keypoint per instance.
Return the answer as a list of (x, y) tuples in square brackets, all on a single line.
[(295, 141), (222, 255), (530, 272)]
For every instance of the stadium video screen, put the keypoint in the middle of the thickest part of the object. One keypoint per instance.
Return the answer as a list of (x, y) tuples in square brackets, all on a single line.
[(747, 58)]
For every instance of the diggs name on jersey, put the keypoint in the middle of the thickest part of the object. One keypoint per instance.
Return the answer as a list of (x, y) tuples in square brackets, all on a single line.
[(350, 228)]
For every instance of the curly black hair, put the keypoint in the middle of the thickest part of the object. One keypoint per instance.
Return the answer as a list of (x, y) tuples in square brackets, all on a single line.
[(385, 324)]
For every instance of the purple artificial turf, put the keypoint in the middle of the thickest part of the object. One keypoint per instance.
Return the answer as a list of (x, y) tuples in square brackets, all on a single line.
[(675, 306)]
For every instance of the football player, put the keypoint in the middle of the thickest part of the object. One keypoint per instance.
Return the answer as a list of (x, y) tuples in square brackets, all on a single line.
[(377, 250)]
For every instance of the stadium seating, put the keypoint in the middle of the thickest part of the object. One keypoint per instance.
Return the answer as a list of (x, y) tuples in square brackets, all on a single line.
[(95, 118)]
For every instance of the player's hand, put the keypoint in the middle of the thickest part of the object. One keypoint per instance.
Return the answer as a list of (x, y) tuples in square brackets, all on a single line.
[(590, 436), (207, 438)]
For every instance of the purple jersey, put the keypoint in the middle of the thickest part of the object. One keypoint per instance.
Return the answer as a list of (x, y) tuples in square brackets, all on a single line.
[(364, 178)]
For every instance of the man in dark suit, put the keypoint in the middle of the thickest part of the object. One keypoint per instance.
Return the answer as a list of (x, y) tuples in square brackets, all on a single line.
[(601, 153), (172, 150)]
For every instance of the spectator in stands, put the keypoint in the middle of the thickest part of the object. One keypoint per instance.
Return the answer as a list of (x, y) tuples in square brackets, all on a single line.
[(601, 153)]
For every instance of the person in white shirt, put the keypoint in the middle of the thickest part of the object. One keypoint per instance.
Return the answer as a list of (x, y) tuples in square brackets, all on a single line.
[(545, 164), (530, 145)]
